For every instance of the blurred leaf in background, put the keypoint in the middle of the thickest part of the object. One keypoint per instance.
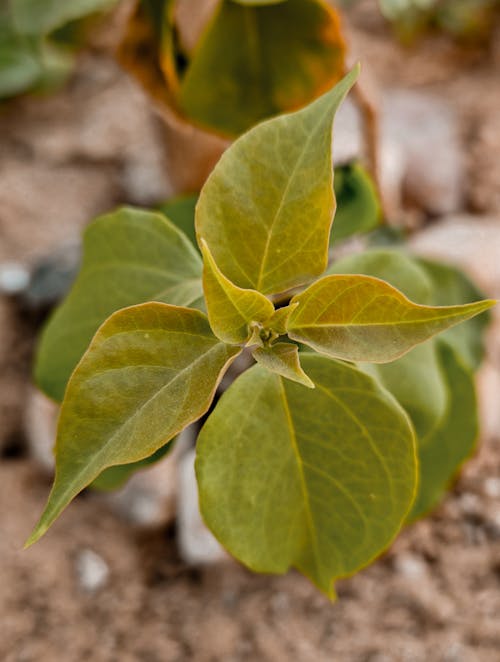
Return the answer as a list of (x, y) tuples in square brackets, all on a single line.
[(38, 40), (462, 19), (252, 59)]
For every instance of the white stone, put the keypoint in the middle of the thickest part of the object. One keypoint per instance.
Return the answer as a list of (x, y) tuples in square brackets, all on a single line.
[(424, 130), (148, 498), (14, 278), (492, 487), (467, 241), (348, 144), (92, 570), (470, 504), (410, 566), (488, 391), (40, 424), (196, 544)]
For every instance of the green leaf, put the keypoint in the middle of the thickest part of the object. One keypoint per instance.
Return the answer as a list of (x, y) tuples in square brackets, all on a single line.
[(150, 371), (358, 206), (283, 359), (42, 16), (366, 319), (319, 479), (231, 309), (255, 62), (451, 286), (267, 208), (180, 210), (417, 382), (129, 257), (115, 477), (20, 67), (416, 378), (454, 440)]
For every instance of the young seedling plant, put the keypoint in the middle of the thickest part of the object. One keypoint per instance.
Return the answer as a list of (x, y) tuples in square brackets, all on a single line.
[(307, 460)]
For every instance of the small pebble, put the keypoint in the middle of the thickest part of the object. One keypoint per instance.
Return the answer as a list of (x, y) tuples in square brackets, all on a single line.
[(197, 545), (470, 504), (492, 487), (92, 570), (14, 278), (411, 566)]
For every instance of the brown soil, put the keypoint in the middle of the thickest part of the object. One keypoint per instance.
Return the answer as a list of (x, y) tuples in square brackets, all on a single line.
[(434, 597)]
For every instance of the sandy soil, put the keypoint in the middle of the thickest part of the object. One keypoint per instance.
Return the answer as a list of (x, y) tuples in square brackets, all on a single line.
[(434, 597)]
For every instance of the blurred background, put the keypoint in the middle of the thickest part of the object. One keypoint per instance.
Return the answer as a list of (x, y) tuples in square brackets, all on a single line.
[(134, 575)]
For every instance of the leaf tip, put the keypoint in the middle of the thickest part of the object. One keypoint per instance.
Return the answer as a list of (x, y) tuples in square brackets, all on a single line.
[(39, 531)]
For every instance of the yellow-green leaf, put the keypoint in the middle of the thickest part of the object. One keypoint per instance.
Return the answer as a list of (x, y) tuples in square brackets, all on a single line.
[(278, 321), (318, 479), (361, 318), (129, 257), (231, 309), (150, 371), (283, 359), (267, 208), (255, 62)]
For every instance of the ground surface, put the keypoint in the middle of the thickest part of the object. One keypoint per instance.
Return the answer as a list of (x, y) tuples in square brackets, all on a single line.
[(435, 596)]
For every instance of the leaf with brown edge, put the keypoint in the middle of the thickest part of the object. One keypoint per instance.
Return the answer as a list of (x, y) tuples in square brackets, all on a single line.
[(253, 62), (361, 318), (150, 371)]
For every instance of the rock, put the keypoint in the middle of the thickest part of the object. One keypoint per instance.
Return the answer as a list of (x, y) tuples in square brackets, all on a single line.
[(348, 143), (469, 242), (43, 207), (148, 498), (13, 369), (196, 544), (391, 176), (40, 425), (412, 126), (492, 487), (92, 570), (488, 391), (410, 566), (470, 504), (420, 133), (52, 277), (14, 278)]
